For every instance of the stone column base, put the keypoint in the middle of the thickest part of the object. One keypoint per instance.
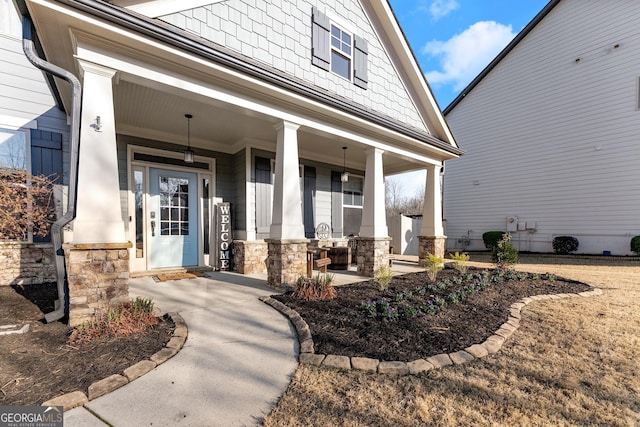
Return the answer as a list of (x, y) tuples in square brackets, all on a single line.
[(98, 277), (430, 245), (250, 257), (372, 253), (286, 262)]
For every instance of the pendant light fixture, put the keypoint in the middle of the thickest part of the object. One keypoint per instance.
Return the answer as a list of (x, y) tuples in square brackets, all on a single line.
[(344, 177), (188, 152)]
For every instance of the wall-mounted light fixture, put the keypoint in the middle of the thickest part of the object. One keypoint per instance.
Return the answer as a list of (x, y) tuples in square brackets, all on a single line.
[(344, 177), (188, 152)]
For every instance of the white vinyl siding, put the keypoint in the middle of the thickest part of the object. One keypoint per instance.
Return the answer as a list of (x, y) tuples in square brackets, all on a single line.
[(553, 140)]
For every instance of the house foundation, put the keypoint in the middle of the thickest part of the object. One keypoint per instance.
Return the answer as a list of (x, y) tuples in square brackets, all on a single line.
[(372, 253), (430, 245), (250, 257), (286, 262), (98, 277)]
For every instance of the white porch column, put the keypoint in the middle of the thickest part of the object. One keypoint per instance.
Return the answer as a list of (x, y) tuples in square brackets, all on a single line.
[(374, 221), (286, 219), (432, 208), (431, 238), (98, 211)]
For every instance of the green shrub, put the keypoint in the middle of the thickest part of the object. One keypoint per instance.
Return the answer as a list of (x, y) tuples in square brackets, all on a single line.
[(635, 245), (382, 277), (433, 264), (565, 244), (491, 238), (460, 261), (504, 254)]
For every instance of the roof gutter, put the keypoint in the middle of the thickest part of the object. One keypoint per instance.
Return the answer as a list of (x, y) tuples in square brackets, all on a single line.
[(62, 303), (119, 16)]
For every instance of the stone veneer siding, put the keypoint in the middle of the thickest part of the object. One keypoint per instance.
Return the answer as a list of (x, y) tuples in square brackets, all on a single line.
[(430, 245), (286, 262), (372, 253), (98, 277), (26, 263), (250, 257)]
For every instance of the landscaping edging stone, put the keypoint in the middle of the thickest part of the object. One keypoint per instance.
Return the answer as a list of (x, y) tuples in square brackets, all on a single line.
[(476, 351), (115, 381)]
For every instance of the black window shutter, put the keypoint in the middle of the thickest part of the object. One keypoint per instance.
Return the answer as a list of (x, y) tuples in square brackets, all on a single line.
[(360, 52), (320, 49)]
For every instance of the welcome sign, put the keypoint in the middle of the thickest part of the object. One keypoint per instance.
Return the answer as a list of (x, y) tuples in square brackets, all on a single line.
[(223, 236)]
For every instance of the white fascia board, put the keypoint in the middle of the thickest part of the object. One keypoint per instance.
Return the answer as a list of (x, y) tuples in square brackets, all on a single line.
[(409, 62), (166, 77), (156, 8)]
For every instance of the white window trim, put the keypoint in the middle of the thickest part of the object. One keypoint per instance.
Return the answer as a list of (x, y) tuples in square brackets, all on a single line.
[(341, 52), (362, 193)]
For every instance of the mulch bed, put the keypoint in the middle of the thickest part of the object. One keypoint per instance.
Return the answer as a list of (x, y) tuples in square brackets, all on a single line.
[(42, 363), (341, 326)]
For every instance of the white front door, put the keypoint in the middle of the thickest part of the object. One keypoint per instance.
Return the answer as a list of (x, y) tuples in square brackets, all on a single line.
[(173, 218)]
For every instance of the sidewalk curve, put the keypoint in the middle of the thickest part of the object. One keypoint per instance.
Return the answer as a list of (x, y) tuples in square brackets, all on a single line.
[(238, 359)]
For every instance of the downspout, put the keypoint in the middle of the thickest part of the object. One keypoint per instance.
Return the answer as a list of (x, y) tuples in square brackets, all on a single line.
[(61, 304)]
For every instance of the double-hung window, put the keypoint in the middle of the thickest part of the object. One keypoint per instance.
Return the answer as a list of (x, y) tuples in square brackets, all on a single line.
[(13, 149), (338, 51), (341, 52)]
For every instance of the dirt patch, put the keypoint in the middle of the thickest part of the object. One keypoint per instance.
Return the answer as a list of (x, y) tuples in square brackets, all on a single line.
[(42, 364), (342, 326)]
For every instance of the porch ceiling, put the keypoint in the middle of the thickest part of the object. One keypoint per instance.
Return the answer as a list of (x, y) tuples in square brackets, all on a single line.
[(151, 113)]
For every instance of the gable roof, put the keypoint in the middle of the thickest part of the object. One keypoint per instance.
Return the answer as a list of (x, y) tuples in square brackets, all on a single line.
[(521, 35), (441, 139)]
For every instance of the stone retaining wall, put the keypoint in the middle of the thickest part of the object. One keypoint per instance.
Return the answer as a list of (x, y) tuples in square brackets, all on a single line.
[(26, 263), (430, 245)]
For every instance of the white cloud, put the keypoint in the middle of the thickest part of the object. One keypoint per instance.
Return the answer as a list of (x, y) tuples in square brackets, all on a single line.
[(464, 55), (441, 8)]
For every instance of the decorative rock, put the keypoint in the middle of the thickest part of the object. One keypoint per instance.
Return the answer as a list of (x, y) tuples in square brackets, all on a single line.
[(526, 300), (393, 368), (311, 359), (460, 357), (440, 360), (306, 346), (514, 312), (420, 365), (365, 364), (163, 355), (139, 369), (477, 350), (340, 362), (180, 331), (175, 343), (505, 332), (518, 305), (68, 401), (106, 385), (493, 344)]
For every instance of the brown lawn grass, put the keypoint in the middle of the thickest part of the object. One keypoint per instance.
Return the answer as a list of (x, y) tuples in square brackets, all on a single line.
[(572, 362)]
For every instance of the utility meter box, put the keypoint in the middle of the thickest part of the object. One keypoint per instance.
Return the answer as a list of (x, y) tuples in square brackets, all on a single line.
[(512, 223)]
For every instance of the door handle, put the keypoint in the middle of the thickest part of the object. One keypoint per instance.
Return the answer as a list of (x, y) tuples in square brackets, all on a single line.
[(153, 228)]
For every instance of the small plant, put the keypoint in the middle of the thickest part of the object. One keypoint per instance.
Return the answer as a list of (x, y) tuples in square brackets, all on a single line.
[(433, 264), (460, 262), (635, 245), (382, 277), (505, 254), (491, 239), (315, 288), (121, 320), (565, 244)]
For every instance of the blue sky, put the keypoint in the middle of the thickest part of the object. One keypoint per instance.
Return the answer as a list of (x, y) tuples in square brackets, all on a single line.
[(453, 40)]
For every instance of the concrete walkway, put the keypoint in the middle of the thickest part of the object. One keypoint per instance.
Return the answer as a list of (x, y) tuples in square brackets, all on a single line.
[(235, 364)]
